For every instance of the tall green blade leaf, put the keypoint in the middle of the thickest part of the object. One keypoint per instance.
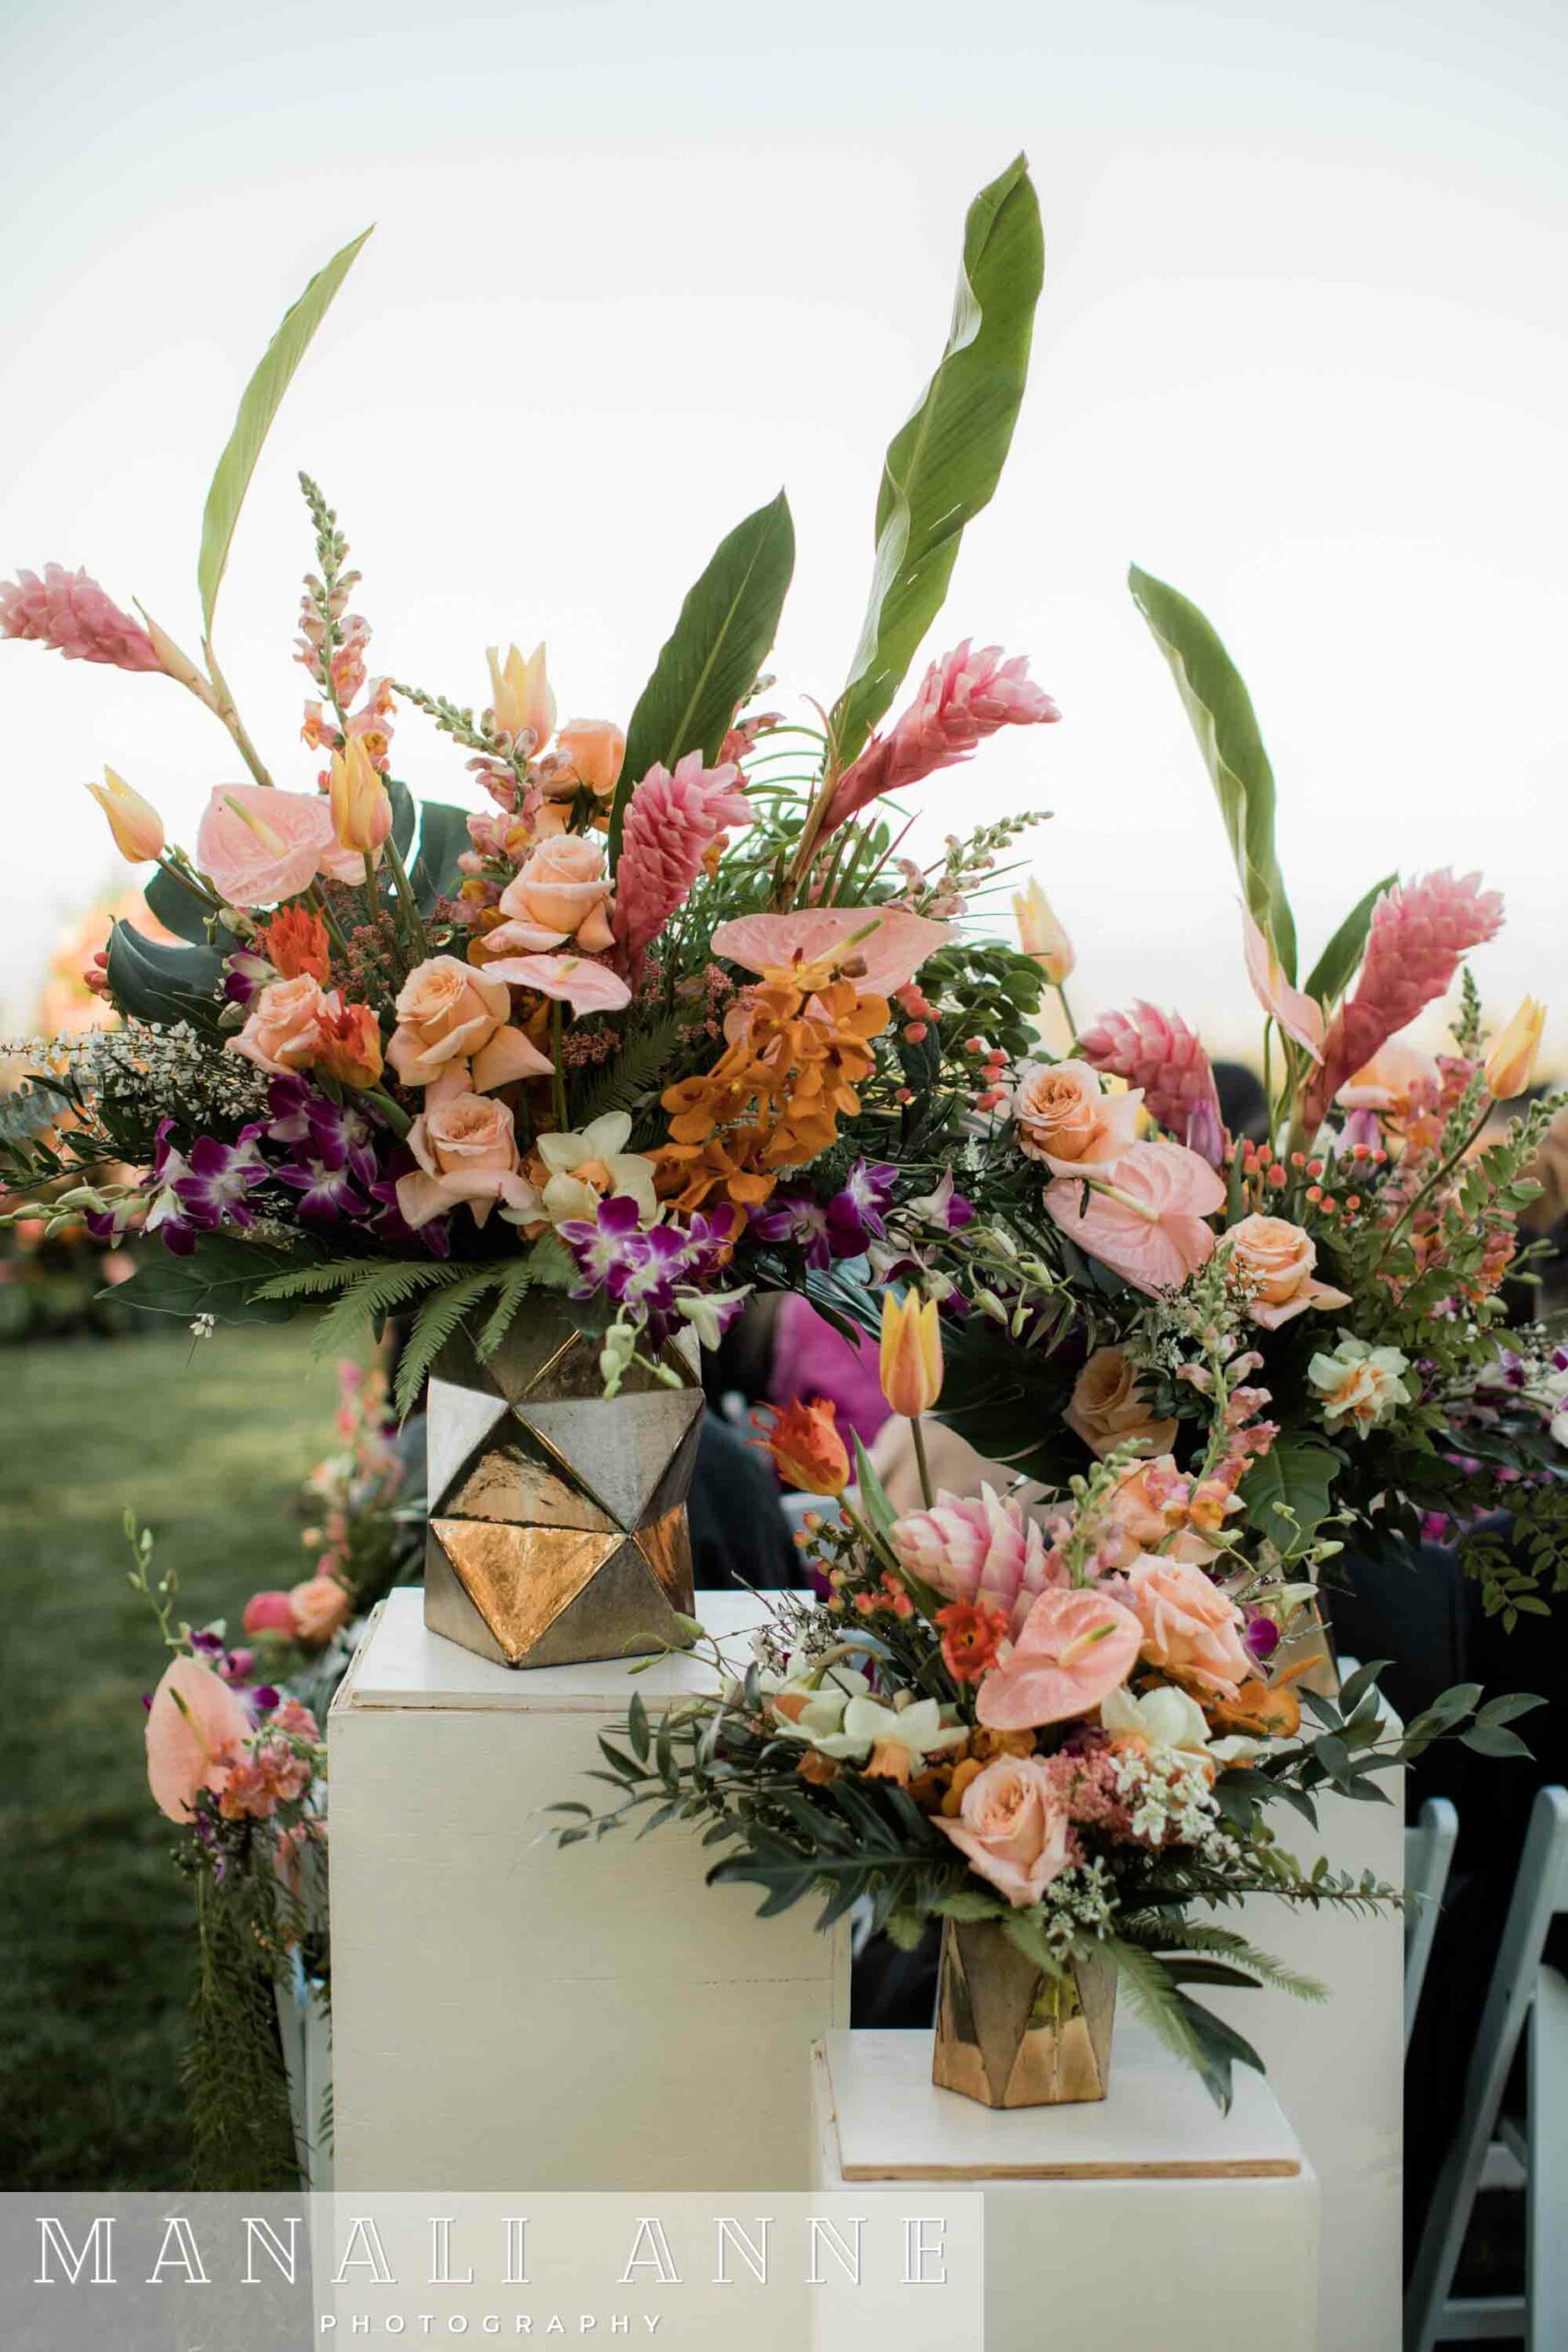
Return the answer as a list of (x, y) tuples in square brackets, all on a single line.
[(711, 660), (262, 398), (1223, 720), (1330, 976), (944, 463)]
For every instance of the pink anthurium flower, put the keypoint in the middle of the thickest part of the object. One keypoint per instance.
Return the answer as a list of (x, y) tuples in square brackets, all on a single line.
[(1076, 1647), (1145, 1220), (576, 981), (257, 845), (1299, 1015), (894, 947), (196, 1729)]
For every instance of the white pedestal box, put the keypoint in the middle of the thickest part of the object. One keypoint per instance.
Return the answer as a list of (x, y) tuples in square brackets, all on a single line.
[(1145, 2218), (1338, 2070), (510, 2016)]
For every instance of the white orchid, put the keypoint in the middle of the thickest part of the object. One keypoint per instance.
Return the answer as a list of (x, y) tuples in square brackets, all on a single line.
[(1171, 1721), (704, 1312), (808, 1701), (592, 1166), (918, 1731)]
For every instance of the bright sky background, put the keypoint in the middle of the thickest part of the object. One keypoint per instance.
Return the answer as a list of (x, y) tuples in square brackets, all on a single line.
[(1301, 351)]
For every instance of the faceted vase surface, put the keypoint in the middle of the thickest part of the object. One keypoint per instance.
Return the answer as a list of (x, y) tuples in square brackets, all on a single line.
[(1007, 2034), (557, 1529)]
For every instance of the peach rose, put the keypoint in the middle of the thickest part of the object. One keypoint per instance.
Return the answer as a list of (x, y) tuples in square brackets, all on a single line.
[(283, 1028), (449, 1013), (1065, 1117), (1280, 1257), (320, 1605), (1192, 1629), (1108, 1407), (594, 749), (560, 894), (467, 1150), (1012, 1827)]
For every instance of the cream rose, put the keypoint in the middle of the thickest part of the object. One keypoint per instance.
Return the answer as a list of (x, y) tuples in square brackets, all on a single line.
[(449, 1013), (1108, 1407), (1279, 1257), (560, 894), (1066, 1118), (1012, 1827), (283, 1028), (467, 1150), (1192, 1629)]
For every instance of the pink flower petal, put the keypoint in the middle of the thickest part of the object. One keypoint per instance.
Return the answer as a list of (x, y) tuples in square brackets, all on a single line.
[(895, 943), (196, 1729), (577, 981), (1300, 1016), (1076, 1647), (509, 1056)]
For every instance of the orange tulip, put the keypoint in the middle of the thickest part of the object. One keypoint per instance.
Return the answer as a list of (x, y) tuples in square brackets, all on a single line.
[(136, 825), (1040, 935), (362, 810), (1510, 1060), (911, 1354), (807, 1449)]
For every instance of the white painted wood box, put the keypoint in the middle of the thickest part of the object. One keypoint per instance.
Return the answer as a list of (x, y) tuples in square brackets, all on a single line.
[(1145, 2218), (510, 2016)]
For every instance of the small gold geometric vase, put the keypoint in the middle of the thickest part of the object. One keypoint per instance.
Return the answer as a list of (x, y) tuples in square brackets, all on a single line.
[(1009, 2035), (557, 1529)]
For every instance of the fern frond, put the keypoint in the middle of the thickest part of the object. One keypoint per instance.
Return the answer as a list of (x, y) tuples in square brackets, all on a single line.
[(1198, 1935), (378, 1294), (309, 1282), (621, 1084), (434, 1325), (515, 1278)]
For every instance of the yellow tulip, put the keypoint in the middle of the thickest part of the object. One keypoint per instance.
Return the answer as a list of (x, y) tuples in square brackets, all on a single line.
[(520, 695), (136, 825), (1041, 935), (911, 1353), (362, 810), (1510, 1059)]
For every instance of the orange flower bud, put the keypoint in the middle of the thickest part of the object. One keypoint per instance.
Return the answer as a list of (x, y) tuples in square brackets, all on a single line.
[(1510, 1059), (362, 809), (911, 1353), (136, 825), (807, 1449), (349, 1047)]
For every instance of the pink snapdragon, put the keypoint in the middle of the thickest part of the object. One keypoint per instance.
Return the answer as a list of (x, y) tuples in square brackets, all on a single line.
[(671, 822), (69, 611), (963, 698), (1419, 931)]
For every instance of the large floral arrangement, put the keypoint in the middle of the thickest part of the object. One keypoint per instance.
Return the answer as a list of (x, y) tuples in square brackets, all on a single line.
[(1078, 1728)]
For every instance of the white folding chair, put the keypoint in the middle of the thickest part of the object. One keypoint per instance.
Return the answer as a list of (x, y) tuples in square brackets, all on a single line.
[(1523, 1988), (1429, 1857)]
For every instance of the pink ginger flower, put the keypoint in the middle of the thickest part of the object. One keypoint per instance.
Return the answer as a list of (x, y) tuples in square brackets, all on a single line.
[(963, 698), (1419, 931), (70, 612), (978, 1548), (671, 821), (1158, 1052)]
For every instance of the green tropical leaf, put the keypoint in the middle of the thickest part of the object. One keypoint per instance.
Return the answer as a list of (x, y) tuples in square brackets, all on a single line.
[(1293, 1475), (443, 838), (1226, 726), (943, 465), (176, 909), (223, 1278), (258, 405), (161, 984), (1330, 976), (711, 660)]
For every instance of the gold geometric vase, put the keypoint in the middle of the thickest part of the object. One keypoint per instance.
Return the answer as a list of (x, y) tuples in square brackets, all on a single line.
[(557, 1529), (1009, 2035)]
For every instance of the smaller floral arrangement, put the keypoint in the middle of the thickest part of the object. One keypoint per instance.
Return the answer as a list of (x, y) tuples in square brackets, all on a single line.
[(1079, 1728)]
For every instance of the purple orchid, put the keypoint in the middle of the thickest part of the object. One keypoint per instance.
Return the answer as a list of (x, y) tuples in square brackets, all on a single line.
[(794, 1215), (165, 1215), (859, 1209), (945, 1206), (245, 977), (219, 1178), (326, 1186)]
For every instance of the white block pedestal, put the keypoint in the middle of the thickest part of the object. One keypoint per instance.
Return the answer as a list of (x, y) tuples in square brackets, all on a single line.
[(510, 2016), (1145, 2218)]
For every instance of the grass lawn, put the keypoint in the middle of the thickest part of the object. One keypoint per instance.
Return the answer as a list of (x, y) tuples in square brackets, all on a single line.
[(96, 1951)]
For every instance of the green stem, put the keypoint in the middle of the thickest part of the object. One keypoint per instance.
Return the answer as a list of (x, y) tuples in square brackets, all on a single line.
[(396, 1118), (921, 1465), (1430, 1186), (316, 901), (418, 938), (1066, 1010), (372, 894), (207, 900), (231, 720)]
